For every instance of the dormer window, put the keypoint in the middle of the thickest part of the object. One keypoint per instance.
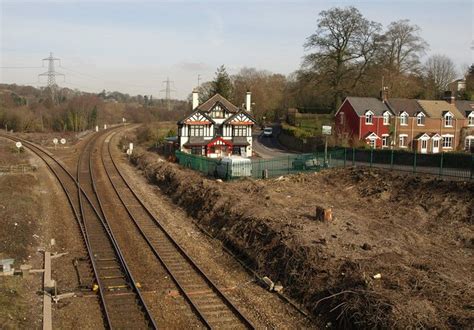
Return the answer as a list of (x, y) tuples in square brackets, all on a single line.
[(420, 119), (448, 120), (404, 119), (369, 116), (386, 118), (470, 119)]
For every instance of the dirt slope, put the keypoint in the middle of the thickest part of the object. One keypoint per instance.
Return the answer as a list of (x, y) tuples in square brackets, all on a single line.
[(417, 233)]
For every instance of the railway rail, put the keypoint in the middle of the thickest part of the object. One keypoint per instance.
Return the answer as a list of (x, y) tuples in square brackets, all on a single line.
[(121, 300), (210, 304)]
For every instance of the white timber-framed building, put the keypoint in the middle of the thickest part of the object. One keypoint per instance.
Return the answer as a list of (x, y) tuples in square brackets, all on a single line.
[(217, 128)]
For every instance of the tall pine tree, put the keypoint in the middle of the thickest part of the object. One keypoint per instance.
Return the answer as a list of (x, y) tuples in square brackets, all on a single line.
[(222, 83)]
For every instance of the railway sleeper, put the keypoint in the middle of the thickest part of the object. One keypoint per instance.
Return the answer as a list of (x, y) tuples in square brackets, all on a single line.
[(220, 314), (208, 300), (115, 284), (127, 300), (111, 272), (208, 308), (100, 259)]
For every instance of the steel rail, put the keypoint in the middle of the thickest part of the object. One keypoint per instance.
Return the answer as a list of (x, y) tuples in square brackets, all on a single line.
[(40, 152), (110, 236), (179, 249)]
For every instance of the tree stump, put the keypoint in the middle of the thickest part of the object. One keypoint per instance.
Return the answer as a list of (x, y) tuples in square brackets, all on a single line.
[(323, 214)]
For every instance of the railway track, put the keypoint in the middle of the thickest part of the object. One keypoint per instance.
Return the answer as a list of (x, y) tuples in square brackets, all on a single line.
[(120, 298), (209, 303)]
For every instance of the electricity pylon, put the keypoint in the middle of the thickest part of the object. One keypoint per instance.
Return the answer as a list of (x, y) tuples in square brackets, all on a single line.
[(168, 91), (51, 74)]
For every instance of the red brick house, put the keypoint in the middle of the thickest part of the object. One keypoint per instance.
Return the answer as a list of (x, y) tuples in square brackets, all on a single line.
[(365, 119)]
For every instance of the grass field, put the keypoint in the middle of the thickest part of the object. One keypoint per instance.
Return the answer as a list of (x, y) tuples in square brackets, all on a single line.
[(308, 127)]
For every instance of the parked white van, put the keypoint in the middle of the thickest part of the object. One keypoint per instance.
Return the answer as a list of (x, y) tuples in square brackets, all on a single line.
[(234, 166)]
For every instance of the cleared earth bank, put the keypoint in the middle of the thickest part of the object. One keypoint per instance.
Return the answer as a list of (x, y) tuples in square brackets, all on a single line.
[(398, 252)]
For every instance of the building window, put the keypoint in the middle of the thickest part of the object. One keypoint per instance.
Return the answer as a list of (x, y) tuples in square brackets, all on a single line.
[(196, 130), (196, 150), (447, 142), (469, 143), (420, 119), (386, 118), (385, 141), (448, 120), (404, 119), (240, 130), (424, 144), (341, 118), (369, 117), (470, 119), (403, 141), (217, 112)]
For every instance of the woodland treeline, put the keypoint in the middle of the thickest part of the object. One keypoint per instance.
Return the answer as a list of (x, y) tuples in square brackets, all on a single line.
[(347, 54), (28, 109)]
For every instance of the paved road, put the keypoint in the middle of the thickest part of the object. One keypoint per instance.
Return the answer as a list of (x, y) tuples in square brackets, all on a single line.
[(269, 147)]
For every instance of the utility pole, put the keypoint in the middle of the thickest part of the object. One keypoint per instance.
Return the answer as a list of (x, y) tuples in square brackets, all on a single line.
[(51, 74), (199, 80), (168, 91)]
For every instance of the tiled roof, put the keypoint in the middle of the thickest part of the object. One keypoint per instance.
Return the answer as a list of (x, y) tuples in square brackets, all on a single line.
[(240, 141), (362, 104), (209, 104), (465, 107), (196, 141), (399, 105), (435, 109)]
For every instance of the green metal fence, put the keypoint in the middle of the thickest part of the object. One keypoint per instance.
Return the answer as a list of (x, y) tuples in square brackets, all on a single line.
[(259, 168), (443, 164), (452, 164)]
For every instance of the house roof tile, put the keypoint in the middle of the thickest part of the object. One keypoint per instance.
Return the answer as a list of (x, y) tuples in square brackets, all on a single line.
[(209, 104), (399, 105), (436, 109), (465, 107), (362, 104)]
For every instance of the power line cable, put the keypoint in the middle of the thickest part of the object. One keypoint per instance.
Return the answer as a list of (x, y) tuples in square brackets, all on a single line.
[(21, 67)]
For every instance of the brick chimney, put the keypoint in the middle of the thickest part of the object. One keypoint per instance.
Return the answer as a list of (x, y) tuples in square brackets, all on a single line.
[(195, 99), (449, 97), (384, 94)]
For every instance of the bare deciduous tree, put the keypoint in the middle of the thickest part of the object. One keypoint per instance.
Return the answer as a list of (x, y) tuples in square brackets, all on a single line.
[(439, 71), (345, 44), (402, 47)]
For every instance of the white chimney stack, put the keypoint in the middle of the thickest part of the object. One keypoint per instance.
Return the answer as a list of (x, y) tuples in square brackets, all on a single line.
[(195, 99), (248, 101)]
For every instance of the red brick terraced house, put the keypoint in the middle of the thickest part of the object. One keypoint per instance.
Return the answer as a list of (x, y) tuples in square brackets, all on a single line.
[(427, 126), (466, 108), (365, 119)]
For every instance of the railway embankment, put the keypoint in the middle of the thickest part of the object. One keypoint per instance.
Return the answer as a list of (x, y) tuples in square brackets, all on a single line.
[(397, 253)]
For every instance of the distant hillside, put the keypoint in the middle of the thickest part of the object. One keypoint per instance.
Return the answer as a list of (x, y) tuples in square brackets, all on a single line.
[(30, 109)]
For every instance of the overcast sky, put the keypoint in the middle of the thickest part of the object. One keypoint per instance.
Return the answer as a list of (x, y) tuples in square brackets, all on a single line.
[(133, 47)]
